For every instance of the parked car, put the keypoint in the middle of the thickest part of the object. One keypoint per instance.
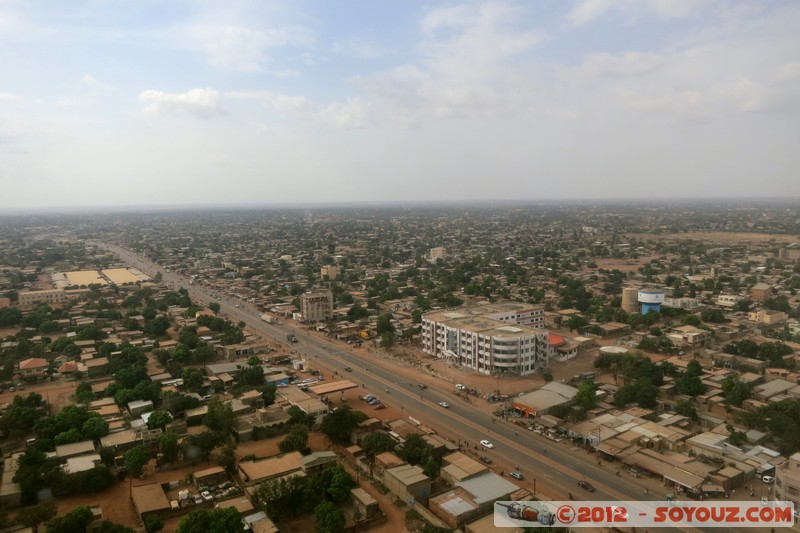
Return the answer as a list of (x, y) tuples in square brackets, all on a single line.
[(487, 444), (459, 386), (767, 479), (444, 404), (206, 495), (517, 475), (378, 406), (373, 401), (586, 485), (348, 369), (368, 397), (485, 459)]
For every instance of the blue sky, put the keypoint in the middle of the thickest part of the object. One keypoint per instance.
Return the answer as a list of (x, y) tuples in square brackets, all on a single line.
[(109, 102)]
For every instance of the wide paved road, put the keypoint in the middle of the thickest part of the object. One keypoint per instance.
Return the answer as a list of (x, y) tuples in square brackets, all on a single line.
[(543, 462)]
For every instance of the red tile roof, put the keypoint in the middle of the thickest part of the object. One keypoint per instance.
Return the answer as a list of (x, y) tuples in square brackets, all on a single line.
[(32, 363)]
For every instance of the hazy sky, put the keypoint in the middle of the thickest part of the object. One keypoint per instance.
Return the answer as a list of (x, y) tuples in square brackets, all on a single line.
[(106, 102)]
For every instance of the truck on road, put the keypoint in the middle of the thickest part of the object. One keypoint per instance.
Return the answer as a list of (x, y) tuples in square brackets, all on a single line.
[(269, 319)]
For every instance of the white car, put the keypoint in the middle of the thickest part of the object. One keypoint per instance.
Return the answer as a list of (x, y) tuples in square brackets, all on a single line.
[(486, 444), (206, 495), (444, 404), (767, 479)]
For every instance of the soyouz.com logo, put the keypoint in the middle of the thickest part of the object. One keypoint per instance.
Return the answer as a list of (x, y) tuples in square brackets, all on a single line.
[(643, 514)]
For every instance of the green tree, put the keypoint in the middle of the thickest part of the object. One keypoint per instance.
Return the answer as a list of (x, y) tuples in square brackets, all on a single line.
[(76, 521), (385, 324), (378, 442), (219, 417), (329, 518), (37, 514), (177, 403), (338, 425), (158, 420), (106, 526), (136, 459), (298, 416), (206, 442), (735, 391), (214, 306), (83, 393), (296, 440), (690, 383), (220, 520), (168, 447), (95, 427), (387, 339), (577, 322), (153, 523), (415, 450), (687, 408), (226, 457), (193, 378), (586, 398)]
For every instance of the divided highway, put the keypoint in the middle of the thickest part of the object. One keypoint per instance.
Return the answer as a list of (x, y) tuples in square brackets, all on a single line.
[(553, 468)]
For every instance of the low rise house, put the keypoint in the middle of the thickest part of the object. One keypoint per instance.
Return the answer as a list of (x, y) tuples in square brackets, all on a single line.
[(149, 499), (255, 472), (33, 368), (471, 499), (408, 483)]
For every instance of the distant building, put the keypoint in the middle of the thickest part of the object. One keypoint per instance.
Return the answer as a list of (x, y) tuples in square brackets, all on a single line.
[(727, 300), (33, 368), (316, 306), (480, 339), (255, 472), (787, 481), (761, 292), (539, 402), (791, 253), (332, 272), (436, 254), (49, 296), (768, 317)]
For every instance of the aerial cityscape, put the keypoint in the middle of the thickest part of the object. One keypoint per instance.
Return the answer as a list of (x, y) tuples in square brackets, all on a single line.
[(409, 366), (414, 266)]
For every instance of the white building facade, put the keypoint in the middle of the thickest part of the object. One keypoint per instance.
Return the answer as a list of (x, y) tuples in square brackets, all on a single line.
[(479, 341)]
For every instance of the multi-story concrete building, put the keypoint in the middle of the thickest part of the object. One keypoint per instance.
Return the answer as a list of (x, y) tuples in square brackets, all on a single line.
[(49, 296), (331, 271), (437, 253), (761, 292), (768, 317), (480, 338), (787, 481), (316, 306), (727, 300)]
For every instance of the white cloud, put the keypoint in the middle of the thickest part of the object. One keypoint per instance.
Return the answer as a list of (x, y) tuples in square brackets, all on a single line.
[(360, 48), (201, 103), (8, 97), (243, 49), (588, 10), (788, 71), (348, 115), (625, 65), (469, 66), (273, 101)]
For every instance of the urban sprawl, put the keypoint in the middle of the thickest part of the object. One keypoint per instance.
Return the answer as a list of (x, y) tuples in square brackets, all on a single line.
[(393, 368)]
